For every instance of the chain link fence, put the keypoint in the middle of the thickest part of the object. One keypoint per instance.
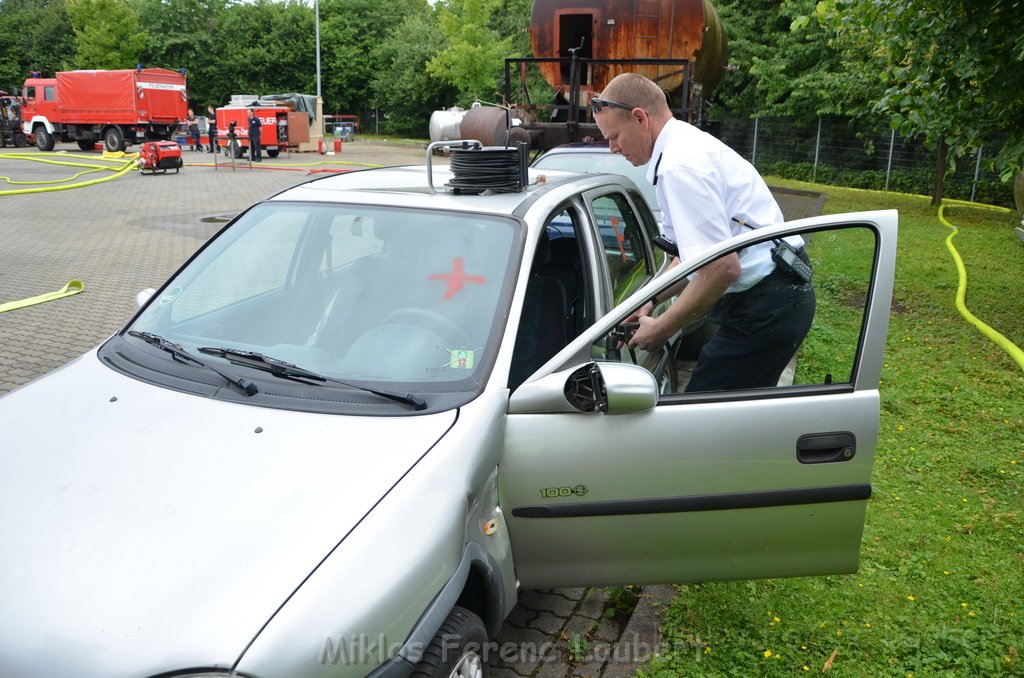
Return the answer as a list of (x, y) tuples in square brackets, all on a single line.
[(837, 151)]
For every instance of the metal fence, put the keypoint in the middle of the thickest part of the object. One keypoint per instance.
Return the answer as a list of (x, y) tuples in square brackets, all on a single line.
[(835, 150)]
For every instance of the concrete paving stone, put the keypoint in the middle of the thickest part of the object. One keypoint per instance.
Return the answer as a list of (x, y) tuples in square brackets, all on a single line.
[(553, 669), (546, 622), (554, 602), (587, 670), (504, 673), (585, 626), (593, 603), (608, 630), (521, 616), (521, 649)]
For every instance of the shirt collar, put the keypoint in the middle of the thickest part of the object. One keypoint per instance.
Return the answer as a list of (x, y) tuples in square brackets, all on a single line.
[(659, 148)]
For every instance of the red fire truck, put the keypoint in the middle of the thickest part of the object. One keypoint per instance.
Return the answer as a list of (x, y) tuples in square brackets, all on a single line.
[(233, 128), (117, 107)]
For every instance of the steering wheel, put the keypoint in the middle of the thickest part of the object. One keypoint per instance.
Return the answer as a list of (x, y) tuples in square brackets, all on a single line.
[(430, 320)]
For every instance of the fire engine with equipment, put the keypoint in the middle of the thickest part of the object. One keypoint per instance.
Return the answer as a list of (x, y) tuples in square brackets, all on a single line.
[(233, 128), (10, 122), (118, 107), (159, 156)]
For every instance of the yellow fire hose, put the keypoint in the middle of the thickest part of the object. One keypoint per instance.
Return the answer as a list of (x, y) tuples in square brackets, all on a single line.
[(125, 162), (961, 294), (73, 287)]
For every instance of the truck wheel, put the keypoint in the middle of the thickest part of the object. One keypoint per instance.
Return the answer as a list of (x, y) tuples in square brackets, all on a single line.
[(113, 140), (44, 140), (86, 145), (457, 651)]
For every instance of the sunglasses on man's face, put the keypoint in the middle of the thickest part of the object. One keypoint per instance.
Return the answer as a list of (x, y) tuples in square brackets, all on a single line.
[(600, 104)]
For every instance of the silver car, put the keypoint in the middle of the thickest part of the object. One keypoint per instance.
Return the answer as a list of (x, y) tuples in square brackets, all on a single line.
[(372, 409), (595, 157)]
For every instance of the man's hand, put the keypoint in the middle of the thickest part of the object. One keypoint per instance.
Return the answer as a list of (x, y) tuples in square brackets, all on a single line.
[(651, 334), (646, 310)]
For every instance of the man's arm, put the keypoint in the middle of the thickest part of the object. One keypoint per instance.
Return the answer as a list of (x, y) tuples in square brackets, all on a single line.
[(699, 295)]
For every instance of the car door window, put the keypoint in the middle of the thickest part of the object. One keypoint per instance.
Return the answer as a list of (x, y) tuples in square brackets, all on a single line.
[(842, 261), (622, 240), (558, 304)]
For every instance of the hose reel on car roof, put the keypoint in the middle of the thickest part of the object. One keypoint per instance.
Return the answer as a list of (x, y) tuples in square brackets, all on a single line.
[(477, 168)]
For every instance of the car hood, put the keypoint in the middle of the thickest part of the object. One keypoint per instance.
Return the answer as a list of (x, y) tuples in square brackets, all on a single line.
[(142, 529)]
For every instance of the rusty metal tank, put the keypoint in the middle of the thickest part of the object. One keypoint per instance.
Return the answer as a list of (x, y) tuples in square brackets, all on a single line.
[(630, 29)]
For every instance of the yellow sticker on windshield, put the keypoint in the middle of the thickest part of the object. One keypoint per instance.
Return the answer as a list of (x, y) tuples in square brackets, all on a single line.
[(461, 358)]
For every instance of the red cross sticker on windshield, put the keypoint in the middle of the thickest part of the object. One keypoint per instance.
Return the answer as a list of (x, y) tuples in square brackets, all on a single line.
[(457, 279)]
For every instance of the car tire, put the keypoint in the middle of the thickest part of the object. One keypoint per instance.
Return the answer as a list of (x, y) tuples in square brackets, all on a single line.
[(85, 145), (458, 649)]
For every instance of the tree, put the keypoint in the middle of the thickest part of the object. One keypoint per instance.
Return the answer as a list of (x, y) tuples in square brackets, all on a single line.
[(402, 88), (952, 70), (474, 60), (352, 33), (37, 37), (181, 36), (787, 65), (264, 48), (108, 33)]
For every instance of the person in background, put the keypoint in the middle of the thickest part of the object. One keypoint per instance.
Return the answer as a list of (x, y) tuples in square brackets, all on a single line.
[(255, 151), (193, 130), (761, 298), (211, 116)]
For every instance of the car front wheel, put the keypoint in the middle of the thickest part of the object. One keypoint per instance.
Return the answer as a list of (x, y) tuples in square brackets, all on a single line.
[(458, 649)]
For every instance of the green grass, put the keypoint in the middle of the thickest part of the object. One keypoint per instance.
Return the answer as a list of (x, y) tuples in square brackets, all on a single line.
[(941, 577)]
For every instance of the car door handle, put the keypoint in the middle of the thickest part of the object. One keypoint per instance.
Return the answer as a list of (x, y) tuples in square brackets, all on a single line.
[(825, 448)]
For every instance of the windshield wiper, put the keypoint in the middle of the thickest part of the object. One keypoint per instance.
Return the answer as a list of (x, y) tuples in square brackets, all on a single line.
[(281, 368), (249, 388)]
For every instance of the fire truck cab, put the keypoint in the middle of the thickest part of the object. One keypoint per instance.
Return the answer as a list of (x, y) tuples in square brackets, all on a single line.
[(233, 129)]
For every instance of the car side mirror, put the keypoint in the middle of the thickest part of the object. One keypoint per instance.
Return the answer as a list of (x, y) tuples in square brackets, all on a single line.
[(611, 388), (144, 296)]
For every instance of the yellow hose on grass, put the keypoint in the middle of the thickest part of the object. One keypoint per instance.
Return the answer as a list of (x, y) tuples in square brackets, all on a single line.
[(961, 294)]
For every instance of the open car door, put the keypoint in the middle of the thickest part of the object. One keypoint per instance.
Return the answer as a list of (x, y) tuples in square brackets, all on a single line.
[(604, 480)]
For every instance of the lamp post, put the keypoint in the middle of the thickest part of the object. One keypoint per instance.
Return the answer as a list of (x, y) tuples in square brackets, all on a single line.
[(316, 8)]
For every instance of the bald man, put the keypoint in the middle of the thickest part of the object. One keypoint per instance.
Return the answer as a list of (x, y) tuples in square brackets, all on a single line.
[(708, 193)]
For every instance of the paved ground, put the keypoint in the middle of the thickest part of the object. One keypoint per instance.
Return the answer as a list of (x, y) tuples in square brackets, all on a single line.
[(123, 235)]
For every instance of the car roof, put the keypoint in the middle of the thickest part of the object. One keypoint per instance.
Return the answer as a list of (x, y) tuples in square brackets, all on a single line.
[(579, 147), (410, 186)]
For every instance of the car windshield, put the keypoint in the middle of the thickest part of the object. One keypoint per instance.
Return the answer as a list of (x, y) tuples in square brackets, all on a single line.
[(602, 162), (365, 294)]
